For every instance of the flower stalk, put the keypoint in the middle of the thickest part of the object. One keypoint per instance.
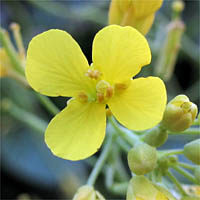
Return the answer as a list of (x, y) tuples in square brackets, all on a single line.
[(101, 160)]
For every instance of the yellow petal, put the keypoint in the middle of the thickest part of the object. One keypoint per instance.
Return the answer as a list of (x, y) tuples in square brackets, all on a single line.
[(56, 65), (115, 14), (144, 8), (141, 105), (77, 131), (120, 52), (143, 25)]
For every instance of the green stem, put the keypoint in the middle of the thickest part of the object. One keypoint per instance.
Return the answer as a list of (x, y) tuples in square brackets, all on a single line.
[(119, 188), (14, 58), (29, 119), (176, 182), (48, 104), (188, 131), (123, 145), (184, 173), (172, 152), (187, 166), (131, 138), (101, 160)]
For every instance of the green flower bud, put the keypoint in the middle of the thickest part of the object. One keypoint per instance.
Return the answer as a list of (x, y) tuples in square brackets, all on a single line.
[(156, 136), (87, 193), (142, 158), (140, 188), (192, 151), (197, 174), (178, 6), (179, 114)]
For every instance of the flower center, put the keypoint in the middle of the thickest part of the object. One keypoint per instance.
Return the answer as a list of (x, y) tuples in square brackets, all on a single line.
[(104, 90)]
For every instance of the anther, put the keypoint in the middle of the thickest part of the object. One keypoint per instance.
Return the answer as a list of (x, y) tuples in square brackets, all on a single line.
[(93, 74), (121, 86), (82, 97), (109, 92), (100, 97)]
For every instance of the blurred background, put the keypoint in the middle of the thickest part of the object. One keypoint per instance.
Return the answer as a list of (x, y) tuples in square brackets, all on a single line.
[(27, 165)]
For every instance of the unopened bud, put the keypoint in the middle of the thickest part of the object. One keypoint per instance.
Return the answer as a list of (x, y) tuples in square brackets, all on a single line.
[(87, 193), (192, 151), (156, 136), (178, 6), (179, 114), (142, 159)]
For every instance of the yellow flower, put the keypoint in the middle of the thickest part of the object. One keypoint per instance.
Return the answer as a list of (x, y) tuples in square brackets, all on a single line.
[(137, 13), (56, 66)]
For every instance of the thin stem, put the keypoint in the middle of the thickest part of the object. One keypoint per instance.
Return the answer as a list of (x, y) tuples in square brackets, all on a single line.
[(184, 173), (188, 131), (130, 137), (123, 145), (18, 39), (187, 166), (119, 188), (172, 152), (14, 58), (176, 182), (29, 119), (101, 160), (47, 103)]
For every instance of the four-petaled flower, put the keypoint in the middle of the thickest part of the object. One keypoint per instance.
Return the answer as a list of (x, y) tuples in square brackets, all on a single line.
[(56, 66)]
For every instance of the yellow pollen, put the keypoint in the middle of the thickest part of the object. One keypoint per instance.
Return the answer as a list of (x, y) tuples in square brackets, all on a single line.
[(82, 97), (109, 92), (93, 74), (121, 86), (100, 97)]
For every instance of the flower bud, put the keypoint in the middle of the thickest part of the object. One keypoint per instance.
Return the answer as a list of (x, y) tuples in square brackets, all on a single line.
[(192, 151), (141, 188), (178, 6), (87, 193), (142, 159), (179, 114), (136, 13), (156, 137), (197, 174)]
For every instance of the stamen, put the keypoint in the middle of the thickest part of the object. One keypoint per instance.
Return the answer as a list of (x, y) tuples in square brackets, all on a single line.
[(93, 74), (109, 92), (121, 86), (100, 97), (82, 97)]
